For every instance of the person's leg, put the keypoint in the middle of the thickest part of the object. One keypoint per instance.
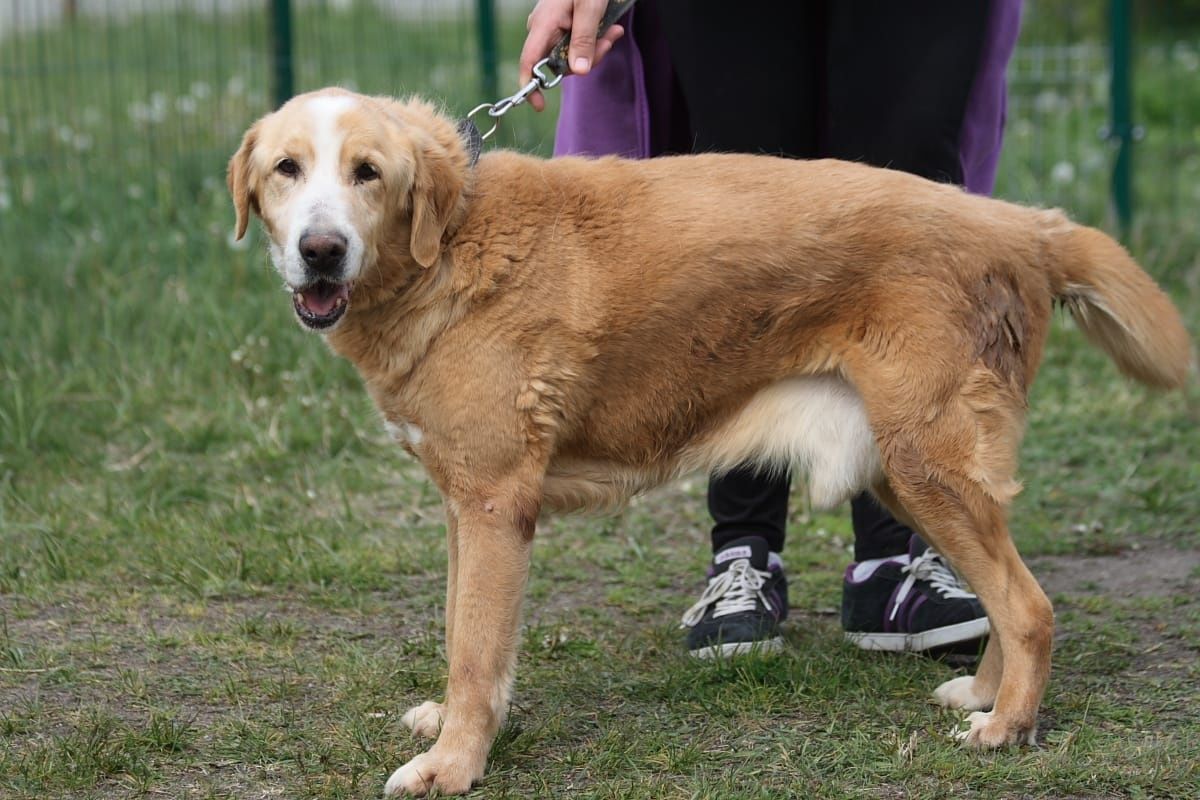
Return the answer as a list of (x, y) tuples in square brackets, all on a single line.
[(751, 82), (751, 88), (747, 87), (746, 502), (900, 78), (877, 534), (916, 87)]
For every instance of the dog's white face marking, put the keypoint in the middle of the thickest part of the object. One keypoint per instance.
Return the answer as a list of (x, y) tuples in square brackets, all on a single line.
[(320, 200)]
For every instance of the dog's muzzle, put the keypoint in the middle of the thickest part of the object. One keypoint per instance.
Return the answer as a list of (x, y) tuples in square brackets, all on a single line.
[(322, 303)]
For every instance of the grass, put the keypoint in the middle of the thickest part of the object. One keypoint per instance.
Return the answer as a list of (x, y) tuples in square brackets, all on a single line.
[(218, 579)]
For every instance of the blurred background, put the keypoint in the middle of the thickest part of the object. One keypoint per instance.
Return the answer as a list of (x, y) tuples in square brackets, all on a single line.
[(139, 342), (217, 575), (136, 103)]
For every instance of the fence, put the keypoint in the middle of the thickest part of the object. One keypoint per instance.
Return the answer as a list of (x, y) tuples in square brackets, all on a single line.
[(108, 104)]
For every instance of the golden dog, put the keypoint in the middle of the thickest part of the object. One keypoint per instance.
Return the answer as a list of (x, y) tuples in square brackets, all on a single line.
[(563, 334)]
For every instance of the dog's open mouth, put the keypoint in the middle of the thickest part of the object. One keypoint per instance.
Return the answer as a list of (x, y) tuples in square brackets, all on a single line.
[(321, 304)]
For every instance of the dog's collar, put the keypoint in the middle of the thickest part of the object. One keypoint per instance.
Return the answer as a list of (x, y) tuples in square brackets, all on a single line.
[(472, 140)]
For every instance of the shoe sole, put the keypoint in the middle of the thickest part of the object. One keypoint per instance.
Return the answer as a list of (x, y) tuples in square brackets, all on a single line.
[(923, 641), (760, 646)]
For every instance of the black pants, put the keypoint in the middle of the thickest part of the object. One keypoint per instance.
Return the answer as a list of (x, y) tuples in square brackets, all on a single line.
[(881, 82)]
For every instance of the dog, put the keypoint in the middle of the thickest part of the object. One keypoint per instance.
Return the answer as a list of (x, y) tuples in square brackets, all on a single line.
[(559, 335)]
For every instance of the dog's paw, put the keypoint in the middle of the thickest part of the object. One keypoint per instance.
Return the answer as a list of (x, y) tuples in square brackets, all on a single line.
[(425, 719), (964, 693), (989, 731), (433, 770)]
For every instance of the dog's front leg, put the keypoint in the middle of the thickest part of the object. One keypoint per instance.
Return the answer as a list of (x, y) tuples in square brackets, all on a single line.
[(494, 542), (426, 719)]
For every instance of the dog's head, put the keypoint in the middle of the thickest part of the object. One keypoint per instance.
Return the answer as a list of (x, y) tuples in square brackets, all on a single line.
[(349, 188)]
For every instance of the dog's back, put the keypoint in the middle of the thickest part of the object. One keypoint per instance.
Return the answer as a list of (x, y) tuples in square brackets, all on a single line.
[(704, 281)]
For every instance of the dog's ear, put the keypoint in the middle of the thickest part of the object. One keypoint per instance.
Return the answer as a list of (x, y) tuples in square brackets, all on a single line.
[(238, 178), (438, 174)]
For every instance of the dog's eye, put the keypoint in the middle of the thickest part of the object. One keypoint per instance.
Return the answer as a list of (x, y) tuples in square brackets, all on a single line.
[(288, 167), (365, 172)]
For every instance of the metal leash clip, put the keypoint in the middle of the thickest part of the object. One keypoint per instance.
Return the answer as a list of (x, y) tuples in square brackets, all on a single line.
[(498, 109), (547, 74)]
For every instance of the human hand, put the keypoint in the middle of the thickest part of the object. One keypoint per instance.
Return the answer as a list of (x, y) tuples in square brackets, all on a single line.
[(548, 22)]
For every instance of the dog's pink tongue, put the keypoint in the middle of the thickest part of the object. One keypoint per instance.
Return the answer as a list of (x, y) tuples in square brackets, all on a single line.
[(323, 298)]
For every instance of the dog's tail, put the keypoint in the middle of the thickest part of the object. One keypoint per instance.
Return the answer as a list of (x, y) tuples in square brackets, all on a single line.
[(1119, 307)]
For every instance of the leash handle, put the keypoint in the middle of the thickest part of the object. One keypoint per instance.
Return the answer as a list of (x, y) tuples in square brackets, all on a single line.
[(557, 60)]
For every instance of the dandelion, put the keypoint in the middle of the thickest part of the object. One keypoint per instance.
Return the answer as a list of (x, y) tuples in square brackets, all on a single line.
[(236, 86), (5, 201), (1186, 57), (1063, 172), (200, 90), (1094, 159), (185, 105), (1047, 101)]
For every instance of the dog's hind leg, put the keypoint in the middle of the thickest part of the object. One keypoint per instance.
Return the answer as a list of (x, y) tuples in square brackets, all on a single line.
[(966, 525), (969, 692)]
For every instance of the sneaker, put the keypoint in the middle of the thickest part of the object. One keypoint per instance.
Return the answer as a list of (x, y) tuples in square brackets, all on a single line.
[(913, 603), (742, 606)]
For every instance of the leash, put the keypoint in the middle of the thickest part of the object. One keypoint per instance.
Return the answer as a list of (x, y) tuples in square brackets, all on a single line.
[(547, 74)]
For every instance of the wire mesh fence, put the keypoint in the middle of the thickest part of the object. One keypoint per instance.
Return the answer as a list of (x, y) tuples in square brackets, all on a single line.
[(154, 94), (1055, 148), (110, 104)]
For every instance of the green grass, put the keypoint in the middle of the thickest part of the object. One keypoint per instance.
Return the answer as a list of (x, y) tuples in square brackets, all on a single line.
[(219, 580)]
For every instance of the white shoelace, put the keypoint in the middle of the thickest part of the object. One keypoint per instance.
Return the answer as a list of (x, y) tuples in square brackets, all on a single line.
[(734, 590), (931, 567)]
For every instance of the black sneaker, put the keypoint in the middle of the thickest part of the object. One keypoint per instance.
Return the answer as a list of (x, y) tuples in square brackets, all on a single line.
[(744, 603), (913, 603)]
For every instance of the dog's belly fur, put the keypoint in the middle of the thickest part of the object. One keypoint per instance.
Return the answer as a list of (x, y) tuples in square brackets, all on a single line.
[(815, 425)]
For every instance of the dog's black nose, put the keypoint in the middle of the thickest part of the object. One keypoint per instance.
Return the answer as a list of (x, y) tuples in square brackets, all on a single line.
[(323, 251)]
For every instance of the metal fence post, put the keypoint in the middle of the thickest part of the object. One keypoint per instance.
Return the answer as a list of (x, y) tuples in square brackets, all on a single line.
[(1121, 129), (281, 51), (487, 49)]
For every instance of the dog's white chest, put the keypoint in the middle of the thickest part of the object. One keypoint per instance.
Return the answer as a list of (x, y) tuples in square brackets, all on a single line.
[(403, 432)]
